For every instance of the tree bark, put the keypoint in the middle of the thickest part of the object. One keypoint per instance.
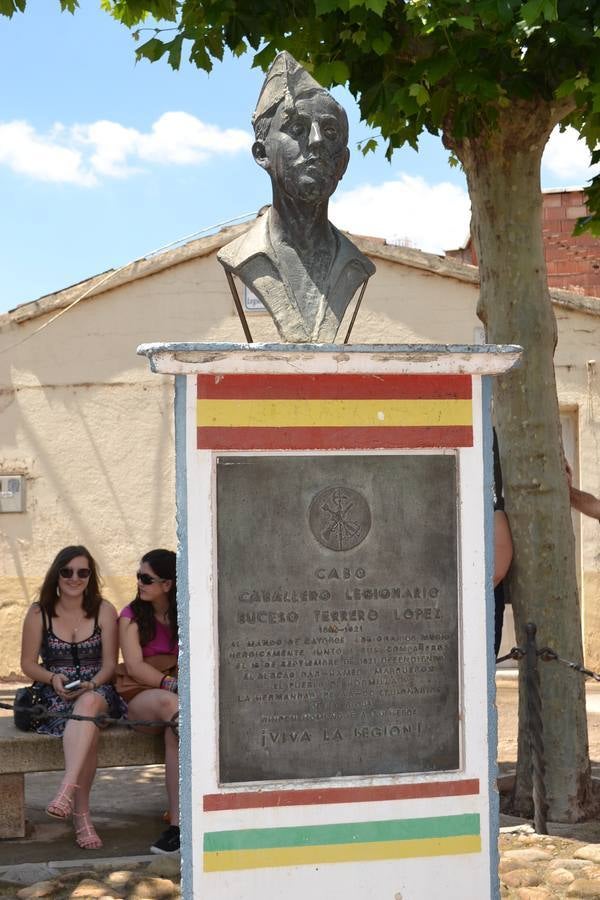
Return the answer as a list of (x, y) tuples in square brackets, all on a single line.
[(502, 166)]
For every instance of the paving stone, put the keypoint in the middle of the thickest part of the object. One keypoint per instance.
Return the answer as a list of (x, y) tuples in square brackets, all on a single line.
[(521, 878), (167, 866), (531, 854), (574, 865), (516, 829), (560, 876), (584, 887), (90, 889), (27, 873), (590, 851), (120, 878), (40, 889), (534, 893), (151, 888), (508, 865)]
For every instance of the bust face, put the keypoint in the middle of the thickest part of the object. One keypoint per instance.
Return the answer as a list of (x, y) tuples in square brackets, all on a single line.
[(305, 151)]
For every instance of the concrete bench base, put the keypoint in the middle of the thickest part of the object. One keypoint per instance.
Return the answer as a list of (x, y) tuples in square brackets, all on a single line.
[(22, 752)]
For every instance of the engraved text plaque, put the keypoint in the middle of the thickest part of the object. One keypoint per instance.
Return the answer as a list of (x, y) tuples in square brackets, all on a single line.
[(338, 608)]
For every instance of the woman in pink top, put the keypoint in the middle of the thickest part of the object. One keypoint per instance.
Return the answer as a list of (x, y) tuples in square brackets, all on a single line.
[(147, 627)]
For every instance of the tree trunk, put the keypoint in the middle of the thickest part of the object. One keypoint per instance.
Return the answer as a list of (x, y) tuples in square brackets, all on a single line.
[(503, 174)]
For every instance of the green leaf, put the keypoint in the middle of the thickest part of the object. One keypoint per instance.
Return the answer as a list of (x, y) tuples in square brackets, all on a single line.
[(467, 22), (369, 146), (376, 6), (438, 67), (200, 57), (175, 51), (340, 72), (439, 105), (420, 93), (382, 43), (587, 225), (9, 7), (532, 10), (322, 7), (565, 89), (151, 50), (264, 58)]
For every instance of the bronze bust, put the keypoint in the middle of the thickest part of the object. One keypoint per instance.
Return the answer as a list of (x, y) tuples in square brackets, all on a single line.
[(303, 269)]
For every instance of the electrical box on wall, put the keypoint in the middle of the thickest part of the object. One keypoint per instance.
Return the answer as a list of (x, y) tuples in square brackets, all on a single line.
[(12, 493)]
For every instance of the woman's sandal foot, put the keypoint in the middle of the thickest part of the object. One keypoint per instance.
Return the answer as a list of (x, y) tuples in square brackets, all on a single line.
[(86, 835), (62, 805)]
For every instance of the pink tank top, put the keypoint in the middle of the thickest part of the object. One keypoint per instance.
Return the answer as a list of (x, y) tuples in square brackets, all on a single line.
[(162, 642)]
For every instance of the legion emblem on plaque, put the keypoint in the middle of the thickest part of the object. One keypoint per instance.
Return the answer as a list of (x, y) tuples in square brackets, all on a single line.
[(339, 518)]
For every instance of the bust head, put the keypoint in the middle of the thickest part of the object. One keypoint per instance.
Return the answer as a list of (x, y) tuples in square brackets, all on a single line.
[(301, 133)]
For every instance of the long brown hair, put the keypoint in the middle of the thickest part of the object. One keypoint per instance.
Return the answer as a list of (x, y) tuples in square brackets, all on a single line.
[(164, 564), (92, 597)]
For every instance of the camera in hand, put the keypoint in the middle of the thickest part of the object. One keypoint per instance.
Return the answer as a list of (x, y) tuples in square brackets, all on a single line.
[(73, 685)]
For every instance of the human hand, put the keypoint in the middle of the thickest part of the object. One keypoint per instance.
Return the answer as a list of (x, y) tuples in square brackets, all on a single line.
[(569, 473), (58, 685)]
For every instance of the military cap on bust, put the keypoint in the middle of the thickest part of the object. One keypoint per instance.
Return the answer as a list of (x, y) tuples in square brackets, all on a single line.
[(286, 79)]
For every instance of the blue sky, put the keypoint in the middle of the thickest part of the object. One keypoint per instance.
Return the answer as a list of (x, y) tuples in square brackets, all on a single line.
[(103, 160)]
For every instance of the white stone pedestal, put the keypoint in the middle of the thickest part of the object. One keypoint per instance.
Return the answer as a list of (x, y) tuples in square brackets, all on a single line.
[(416, 830)]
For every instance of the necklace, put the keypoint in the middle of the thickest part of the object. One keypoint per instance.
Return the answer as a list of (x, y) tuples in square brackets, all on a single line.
[(79, 624), (80, 621)]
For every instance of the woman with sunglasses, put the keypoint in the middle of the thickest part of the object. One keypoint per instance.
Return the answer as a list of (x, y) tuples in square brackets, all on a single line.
[(73, 631), (148, 628)]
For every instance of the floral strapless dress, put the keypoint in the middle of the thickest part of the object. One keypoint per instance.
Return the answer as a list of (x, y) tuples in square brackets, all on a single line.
[(80, 659)]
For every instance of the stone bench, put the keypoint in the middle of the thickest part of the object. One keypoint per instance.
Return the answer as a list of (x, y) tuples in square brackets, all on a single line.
[(25, 751)]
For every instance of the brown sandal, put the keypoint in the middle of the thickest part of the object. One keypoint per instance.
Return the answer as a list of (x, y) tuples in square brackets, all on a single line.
[(86, 835), (62, 805)]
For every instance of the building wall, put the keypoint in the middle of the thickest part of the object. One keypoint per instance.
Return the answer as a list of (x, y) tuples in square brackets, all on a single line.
[(573, 263), (578, 381), (90, 428)]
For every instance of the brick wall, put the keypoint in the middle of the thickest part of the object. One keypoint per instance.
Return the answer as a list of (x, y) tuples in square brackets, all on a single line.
[(573, 263)]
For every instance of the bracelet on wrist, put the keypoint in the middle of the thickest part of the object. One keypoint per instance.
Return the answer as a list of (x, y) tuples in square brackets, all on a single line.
[(169, 683)]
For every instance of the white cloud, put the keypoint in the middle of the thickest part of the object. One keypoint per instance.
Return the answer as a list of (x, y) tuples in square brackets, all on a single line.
[(568, 158), (181, 138), (43, 158), (82, 154), (408, 210), (108, 146)]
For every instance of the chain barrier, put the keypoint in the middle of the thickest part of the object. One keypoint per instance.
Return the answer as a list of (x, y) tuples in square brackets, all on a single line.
[(515, 653), (549, 655), (532, 654), (40, 713)]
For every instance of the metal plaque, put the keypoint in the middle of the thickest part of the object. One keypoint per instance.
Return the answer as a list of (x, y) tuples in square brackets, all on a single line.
[(338, 609)]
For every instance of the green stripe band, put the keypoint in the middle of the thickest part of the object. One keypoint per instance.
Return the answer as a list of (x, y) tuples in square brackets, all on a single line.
[(343, 833)]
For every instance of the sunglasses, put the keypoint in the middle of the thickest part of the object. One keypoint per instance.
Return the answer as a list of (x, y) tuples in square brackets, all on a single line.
[(148, 579), (68, 572)]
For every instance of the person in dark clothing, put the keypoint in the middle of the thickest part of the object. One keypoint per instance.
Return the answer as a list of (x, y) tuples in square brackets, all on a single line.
[(503, 549)]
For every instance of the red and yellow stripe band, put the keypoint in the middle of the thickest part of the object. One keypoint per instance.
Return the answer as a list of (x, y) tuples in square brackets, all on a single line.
[(303, 412)]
